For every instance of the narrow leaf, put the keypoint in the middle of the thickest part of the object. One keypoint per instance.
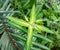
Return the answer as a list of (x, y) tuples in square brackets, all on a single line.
[(18, 21), (43, 28)]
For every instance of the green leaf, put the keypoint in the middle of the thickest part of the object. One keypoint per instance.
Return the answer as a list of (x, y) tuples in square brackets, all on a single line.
[(38, 10), (26, 5), (26, 18), (32, 15), (40, 45), (18, 21), (42, 37), (43, 28), (12, 24)]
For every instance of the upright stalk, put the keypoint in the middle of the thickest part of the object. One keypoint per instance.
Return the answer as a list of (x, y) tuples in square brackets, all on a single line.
[(30, 29)]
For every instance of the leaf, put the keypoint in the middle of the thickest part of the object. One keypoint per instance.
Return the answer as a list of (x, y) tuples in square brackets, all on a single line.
[(43, 28), (42, 37), (18, 21), (38, 10), (32, 15), (26, 5), (53, 17), (12, 24), (39, 21), (5, 5), (29, 4), (5, 43), (18, 36), (26, 18), (40, 45)]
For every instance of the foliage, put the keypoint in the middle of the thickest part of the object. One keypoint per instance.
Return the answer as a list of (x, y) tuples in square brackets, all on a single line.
[(29, 25)]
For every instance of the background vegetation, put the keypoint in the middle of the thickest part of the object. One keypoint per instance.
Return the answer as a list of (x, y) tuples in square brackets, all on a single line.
[(29, 24)]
